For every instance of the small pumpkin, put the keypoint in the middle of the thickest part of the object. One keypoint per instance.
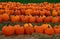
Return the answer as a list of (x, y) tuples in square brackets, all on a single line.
[(25, 19), (48, 19), (38, 29), (17, 12), (28, 29), (1, 11), (44, 26), (22, 11), (28, 11), (57, 29), (15, 18), (55, 19), (8, 30), (31, 18), (5, 17), (19, 30), (48, 13), (54, 13), (39, 19), (49, 31), (42, 12)]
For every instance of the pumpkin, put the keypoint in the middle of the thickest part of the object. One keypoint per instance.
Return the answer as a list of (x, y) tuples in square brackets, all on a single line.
[(28, 29), (5, 17), (17, 12), (55, 19), (39, 19), (22, 11), (48, 19), (44, 26), (35, 12), (31, 19), (49, 31), (57, 29), (11, 12), (26, 18), (15, 18), (38, 29), (1, 11), (8, 30), (43, 17), (19, 30), (7, 11), (48, 13), (54, 13), (42, 12), (26, 25), (28, 11)]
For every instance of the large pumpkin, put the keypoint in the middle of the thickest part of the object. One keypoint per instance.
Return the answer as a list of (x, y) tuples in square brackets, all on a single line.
[(38, 29), (19, 30), (8, 30), (49, 30)]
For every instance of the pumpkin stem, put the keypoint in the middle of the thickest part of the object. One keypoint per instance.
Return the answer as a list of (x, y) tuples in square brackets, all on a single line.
[(49, 26)]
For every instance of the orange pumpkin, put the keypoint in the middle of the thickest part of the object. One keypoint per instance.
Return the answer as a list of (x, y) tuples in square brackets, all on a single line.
[(31, 18), (35, 12), (38, 29), (49, 31), (11, 12), (55, 19), (15, 18), (7, 11), (54, 13), (26, 25), (17, 12), (28, 11), (22, 11), (8, 30), (48, 19), (48, 13), (57, 29), (44, 26), (19, 29), (5, 17), (43, 17), (1, 11), (28, 29), (42, 12), (22, 18), (26, 18), (39, 19)]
